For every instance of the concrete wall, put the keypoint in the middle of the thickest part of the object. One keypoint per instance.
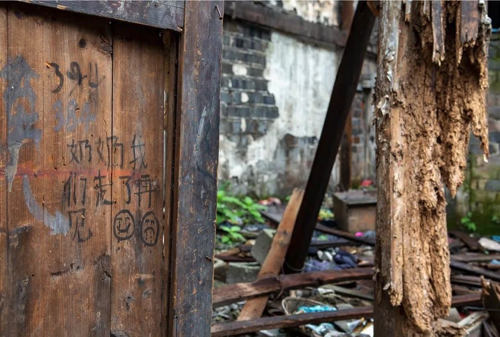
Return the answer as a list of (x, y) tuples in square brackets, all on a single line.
[(274, 96)]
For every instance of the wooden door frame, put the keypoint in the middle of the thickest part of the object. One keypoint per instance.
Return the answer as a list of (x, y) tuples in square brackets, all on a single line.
[(193, 33), (193, 134)]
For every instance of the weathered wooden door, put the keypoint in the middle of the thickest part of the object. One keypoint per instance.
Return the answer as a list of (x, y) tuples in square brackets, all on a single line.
[(82, 178)]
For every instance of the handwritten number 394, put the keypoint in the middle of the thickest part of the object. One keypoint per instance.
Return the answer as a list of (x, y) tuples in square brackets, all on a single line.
[(74, 73)]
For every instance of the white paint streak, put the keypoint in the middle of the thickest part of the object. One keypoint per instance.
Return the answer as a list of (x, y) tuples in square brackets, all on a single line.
[(58, 223)]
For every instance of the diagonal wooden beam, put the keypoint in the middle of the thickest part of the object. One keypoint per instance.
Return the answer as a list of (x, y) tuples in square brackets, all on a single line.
[(273, 263), (331, 136)]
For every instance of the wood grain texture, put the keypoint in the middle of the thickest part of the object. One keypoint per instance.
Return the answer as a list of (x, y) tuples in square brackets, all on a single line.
[(4, 293), (273, 263), (427, 99), (137, 264), (58, 244), (171, 52), (194, 205), (166, 14)]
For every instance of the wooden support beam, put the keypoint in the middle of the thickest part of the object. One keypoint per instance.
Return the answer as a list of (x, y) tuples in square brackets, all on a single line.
[(241, 291), (284, 22), (427, 100), (273, 263), (290, 321), (328, 146), (347, 15), (194, 188), (165, 14)]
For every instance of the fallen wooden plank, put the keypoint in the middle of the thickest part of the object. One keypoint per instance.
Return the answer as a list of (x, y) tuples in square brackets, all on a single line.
[(469, 242), (273, 263), (323, 244), (474, 270), (276, 215), (466, 280), (235, 258), (351, 292), (475, 257), (241, 291), (345, 235), (290, 321), (466, 300)]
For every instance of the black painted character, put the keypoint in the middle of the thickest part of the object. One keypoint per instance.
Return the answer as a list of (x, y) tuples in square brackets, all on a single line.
[(123, 225), (101, 189), (150, 229), (77, 221)]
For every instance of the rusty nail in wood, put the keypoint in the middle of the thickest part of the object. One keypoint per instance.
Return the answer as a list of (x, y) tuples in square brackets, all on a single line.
[(208, 258), (218, 11)]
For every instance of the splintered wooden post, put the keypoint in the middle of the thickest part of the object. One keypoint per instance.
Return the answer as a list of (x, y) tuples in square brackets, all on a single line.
[(274, 260), (432, 73)]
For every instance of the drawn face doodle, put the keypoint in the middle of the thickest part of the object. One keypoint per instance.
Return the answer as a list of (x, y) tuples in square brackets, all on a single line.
[(123, 225), (150, 229)]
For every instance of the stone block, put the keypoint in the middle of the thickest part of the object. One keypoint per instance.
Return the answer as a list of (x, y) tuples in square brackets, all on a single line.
[(262, 245), (271, 112), (269, 99), (242, 272), (261, 85), (227, 68), (255, 72), (220, 270), (494, 112), (355, 211), (494, 136), (493, 185), (238, 111)]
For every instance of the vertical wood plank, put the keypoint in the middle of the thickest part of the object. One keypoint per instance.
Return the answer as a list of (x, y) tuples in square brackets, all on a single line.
[(3, 187), (59, 73), (171, 53), (193, 224), (137, 246)]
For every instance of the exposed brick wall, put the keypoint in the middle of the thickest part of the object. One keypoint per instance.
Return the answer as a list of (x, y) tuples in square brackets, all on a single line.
[(275, 92), (363, 136), (247, 107)]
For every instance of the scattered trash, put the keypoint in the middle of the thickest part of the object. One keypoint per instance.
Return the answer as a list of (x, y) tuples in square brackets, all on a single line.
[(333, 250), (489, 244)]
